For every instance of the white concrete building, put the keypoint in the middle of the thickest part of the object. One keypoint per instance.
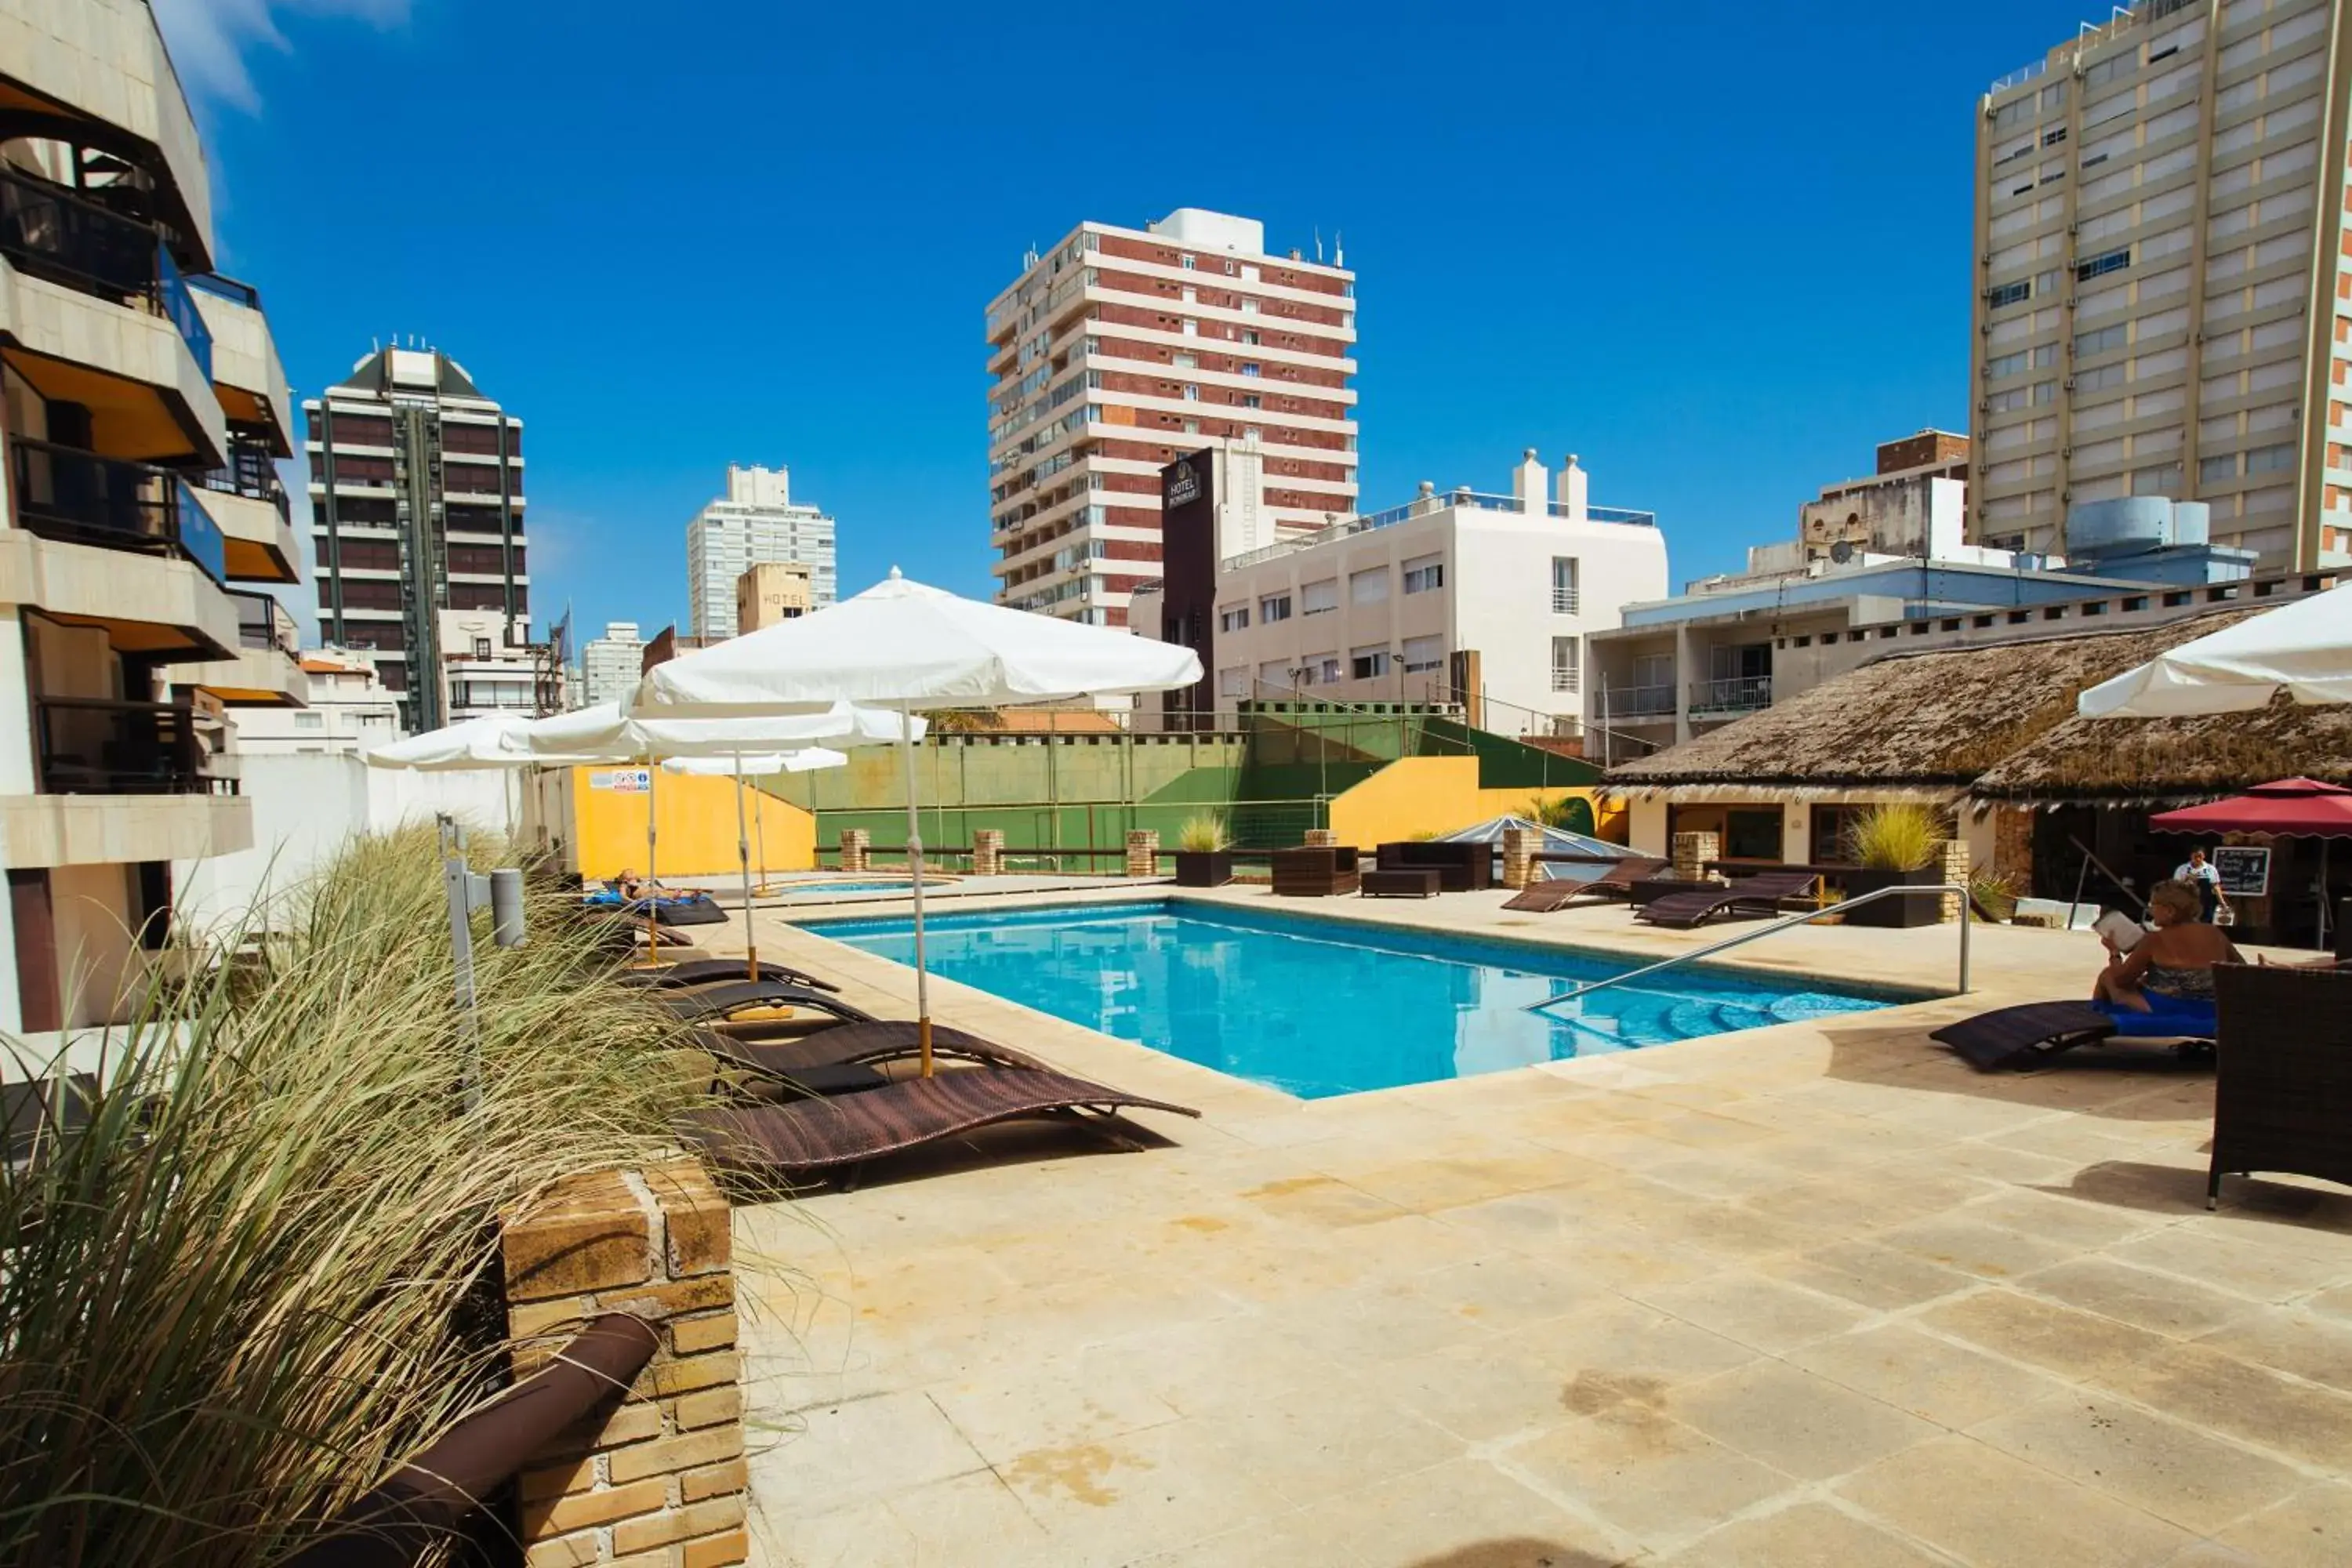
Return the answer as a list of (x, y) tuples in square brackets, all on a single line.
[(350, 710), (1456, 596), (143, 412), (1117, 350), (755, 521), (2163, 265), (490, 666), (610, 665)]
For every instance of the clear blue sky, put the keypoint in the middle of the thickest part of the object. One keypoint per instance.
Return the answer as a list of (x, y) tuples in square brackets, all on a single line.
[(1718, 250)]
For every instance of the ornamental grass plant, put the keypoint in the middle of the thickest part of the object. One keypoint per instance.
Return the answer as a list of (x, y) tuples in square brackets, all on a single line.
[(1895, 835), (255, 1282)]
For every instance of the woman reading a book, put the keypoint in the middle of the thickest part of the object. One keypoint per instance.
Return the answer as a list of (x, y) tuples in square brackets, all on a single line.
[(2167, 970)]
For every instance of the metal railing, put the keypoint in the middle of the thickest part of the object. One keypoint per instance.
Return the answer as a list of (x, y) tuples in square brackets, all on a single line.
[(1784, 923), (1564, 601), (80, 498), (1640, 702), (90, 745), (262, 623), (252, 473), (53, 233), (1742, 692)]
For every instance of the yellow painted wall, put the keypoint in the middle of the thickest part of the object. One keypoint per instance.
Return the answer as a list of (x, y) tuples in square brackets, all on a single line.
[(696, 831), (1423, 795)]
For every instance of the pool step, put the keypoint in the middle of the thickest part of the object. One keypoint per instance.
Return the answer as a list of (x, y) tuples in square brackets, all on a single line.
[(1709, 1015)]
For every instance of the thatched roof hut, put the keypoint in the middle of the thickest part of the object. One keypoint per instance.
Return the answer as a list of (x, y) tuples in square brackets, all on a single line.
[(1937, 722), (2165, 762)]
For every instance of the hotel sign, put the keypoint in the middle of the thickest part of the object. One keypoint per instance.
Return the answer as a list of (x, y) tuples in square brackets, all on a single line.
[(1184, 484)]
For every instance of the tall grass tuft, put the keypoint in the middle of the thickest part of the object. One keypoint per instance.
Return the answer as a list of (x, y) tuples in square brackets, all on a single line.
[(233, 1302), (1203, 833), (1895, 835)]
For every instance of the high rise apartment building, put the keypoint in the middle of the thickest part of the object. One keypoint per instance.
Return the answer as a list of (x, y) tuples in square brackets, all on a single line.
[(610, 665), (2164, 278), (769, 592), (143, 412), (754, 521), (1119, 350), (416, 509)]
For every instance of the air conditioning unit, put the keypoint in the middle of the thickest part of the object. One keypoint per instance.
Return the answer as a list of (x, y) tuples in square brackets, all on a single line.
[(2069, 383)]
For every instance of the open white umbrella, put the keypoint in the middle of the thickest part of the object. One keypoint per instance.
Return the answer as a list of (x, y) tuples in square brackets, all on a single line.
[(907, 647), (740, 768), (605, 733), (2303, 648), (488, 741)]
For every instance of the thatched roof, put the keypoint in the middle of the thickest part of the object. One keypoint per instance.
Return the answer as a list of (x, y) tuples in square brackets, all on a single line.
[(1933, 721), (2173, 761)]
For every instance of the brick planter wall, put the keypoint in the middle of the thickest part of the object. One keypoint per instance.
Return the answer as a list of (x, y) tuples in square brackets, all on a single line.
[(988, 851), (854, 842), (1321, 838), (1951, 864), (660, 1483), (1692, 851), (1518, 857), (1143, 852)]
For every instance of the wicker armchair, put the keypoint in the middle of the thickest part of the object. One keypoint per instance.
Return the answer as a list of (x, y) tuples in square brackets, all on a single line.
[(2283, 1090)]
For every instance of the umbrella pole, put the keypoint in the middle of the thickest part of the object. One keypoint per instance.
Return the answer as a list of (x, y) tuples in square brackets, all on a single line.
[(743, 858), (653, 882), (915, 870)]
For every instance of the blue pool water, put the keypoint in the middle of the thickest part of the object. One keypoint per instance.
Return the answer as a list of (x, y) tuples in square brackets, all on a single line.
[(891, 885), (1320, 1007)]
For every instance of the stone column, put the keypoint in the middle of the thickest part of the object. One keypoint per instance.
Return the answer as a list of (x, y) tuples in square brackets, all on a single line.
[(1322, 838), (988, 851), (1692, 851), (1518, 856), (854, 843), (1951, 864), (1143, 852), (660, 1479)]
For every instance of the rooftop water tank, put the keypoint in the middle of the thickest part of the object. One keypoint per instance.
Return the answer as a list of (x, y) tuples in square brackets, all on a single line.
[(2192, 523), (2123, 526)]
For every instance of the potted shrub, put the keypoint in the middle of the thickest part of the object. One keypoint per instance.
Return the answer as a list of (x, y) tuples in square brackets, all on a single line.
[(1203, 852), (1994, 894), (1894, 845)]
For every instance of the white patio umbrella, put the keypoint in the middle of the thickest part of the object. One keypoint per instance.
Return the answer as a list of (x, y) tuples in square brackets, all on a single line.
[(605, 733), (739, 767), (488, 741), (2303, 648), (907, 647)]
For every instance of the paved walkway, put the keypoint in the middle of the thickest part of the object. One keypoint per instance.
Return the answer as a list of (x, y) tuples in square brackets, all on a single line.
[(1812, 1294)]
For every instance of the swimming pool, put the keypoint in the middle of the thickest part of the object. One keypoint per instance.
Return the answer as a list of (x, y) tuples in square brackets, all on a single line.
[(854, 885), (1319, 1007)]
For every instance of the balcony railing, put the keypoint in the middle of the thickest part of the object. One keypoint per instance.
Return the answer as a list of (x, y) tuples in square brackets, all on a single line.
[(54, 234), (1738, 694), (95, 746), (251, 472), (1640, 702), (261, 623), (64, 493), (1563, 601)]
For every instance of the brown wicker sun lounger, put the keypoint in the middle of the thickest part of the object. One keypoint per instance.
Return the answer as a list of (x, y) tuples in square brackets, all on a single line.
[(1762, 892), (881, 1040), (825, 1134), (715, 971), (710, 1004), (2023, 1036), (1614, 881)]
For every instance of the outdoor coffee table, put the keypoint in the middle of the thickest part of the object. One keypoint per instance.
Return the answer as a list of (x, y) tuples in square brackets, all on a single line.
[(1402, 882)]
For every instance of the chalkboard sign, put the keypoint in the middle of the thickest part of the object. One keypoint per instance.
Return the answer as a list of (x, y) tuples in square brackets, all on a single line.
[(2245, 870)]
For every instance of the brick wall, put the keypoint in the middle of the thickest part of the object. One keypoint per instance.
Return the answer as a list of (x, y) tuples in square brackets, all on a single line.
[(660, 1483)]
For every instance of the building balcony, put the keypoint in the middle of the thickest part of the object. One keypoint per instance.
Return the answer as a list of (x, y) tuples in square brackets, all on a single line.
[(266, 670), (255, 528), (50, 233), (80, 498), (247, 375), (1638, 702), (90, 745), (1738, 694)]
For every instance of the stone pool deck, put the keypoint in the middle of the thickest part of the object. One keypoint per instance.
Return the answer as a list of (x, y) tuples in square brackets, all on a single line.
[(1812, 1294)]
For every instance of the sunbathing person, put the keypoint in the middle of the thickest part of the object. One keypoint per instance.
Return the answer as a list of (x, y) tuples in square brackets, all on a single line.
[(633, 888), (2169, 972)]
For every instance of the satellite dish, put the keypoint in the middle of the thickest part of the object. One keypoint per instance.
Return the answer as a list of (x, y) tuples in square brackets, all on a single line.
[(1842, 552)]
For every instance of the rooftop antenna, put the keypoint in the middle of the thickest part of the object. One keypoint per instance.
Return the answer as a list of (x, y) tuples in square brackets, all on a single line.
[(1338, 249), (1318, 245)]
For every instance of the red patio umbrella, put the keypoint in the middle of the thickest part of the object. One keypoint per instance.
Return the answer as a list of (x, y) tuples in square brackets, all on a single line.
[(2298, 808)]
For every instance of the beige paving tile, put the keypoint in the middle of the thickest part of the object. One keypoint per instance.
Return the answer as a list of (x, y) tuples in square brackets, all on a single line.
[(1054, 1404), (1980, 1506), (1464, 1513), (1361, 1324), (1869, 1275), (2266, 1269), (1622, 1350), (1946, 1382), (1198, 1367), (863, 1450), (1660, 1481), (2312, 1529), (1769, 1314), (1353, 1432), (2221, 1393), (1799, 1422), (2307, 1344), (970, 1519), (1478, 1392), (2172, 1471), (2072, 1343), (1807, 1535), (2048, 1216), (1973, 1246), (1155, 1490), (1505, 1290), (2164, 1302)]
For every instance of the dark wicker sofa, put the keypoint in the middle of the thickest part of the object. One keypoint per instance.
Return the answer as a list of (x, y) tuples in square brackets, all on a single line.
[(2282, 1090)]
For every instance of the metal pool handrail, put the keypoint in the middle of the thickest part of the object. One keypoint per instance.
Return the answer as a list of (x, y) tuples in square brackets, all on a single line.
[(1783, 923)]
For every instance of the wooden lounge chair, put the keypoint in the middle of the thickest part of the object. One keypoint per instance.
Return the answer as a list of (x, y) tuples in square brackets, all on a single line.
[(2035, 1033), (1614, 881), (2283, 1096), (709, 1003), (847, 1131), (864, 1045), (713, 972), (1762, 893)]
